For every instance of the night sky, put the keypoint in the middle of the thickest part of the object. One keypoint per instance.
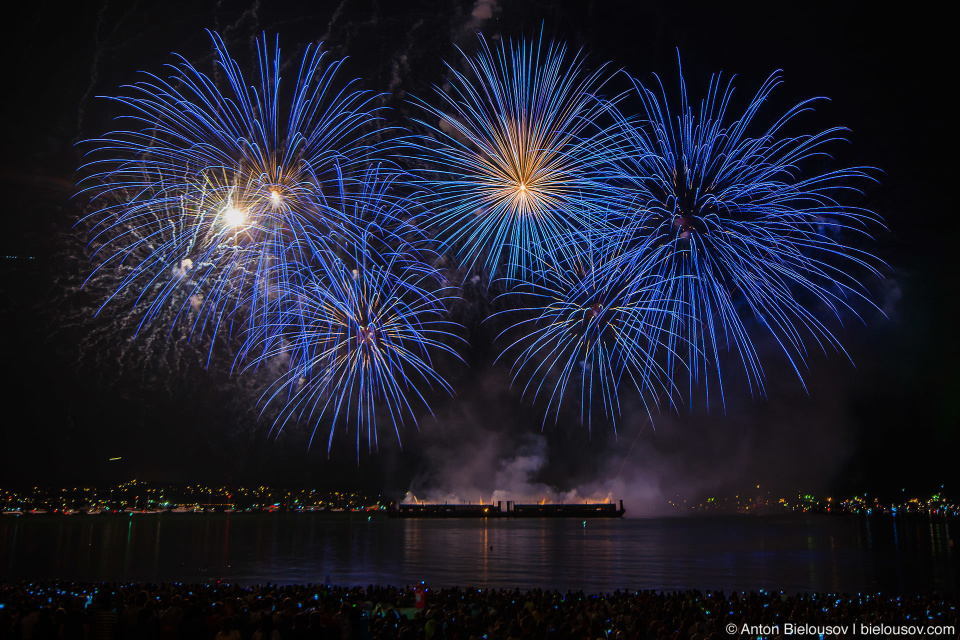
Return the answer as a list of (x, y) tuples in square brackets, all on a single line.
[(76, 394)]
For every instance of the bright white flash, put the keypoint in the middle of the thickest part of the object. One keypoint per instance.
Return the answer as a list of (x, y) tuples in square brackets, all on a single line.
[(233, 216)]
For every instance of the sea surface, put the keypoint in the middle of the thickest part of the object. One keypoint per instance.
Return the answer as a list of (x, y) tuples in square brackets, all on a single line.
[(792, 553)]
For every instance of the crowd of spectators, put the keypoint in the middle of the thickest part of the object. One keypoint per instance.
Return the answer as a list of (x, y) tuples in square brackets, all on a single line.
[(218, 611)]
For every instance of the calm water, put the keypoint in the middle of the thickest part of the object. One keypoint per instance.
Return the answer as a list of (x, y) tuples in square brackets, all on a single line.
[(792, 553)]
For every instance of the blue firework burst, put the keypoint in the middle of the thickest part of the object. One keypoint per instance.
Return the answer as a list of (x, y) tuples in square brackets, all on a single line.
[(590, 329), (742, 226), (514, 163), (226, 184), (360, 340)]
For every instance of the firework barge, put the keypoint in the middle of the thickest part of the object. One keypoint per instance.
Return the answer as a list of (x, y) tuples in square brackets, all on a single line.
[(513, 510)]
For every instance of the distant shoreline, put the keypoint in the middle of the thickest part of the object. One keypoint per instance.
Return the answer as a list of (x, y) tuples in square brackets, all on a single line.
[(381, 513)]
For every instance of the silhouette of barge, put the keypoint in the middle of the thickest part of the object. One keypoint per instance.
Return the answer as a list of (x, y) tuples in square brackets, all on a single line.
[(512, 510)]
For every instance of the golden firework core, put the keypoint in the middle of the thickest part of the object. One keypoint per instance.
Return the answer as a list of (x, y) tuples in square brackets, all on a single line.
[(233, 216)]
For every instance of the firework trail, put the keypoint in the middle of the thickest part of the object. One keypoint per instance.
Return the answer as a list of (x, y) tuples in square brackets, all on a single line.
[(515, 157), (359, 338), (741, 228), (225, 190), (590, 328)]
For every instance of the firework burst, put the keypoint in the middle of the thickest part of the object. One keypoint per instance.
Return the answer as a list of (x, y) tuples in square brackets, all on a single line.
[(269, 222), (514, 161), (226, 187), (359, 339), (589, 329), (741, 228)]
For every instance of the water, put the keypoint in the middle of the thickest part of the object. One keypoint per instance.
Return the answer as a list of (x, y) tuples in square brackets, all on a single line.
[(790, 553)]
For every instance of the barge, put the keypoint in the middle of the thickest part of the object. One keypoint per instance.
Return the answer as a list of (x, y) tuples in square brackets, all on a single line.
[(512, 510)]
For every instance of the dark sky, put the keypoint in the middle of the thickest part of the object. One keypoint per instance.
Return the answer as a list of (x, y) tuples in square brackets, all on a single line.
[(885, 422)]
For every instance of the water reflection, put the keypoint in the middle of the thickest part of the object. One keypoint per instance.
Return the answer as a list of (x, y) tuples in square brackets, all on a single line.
[(793, 553)]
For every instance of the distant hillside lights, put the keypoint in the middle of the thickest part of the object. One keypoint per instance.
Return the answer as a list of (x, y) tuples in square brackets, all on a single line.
[(138, 497), (936, 505)]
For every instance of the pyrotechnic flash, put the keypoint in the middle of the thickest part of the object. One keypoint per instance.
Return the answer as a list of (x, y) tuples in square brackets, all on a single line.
[(742, 226), (588, 332), (631, 248), (515, 165), (228, 183), (360, 340), (233, 216)]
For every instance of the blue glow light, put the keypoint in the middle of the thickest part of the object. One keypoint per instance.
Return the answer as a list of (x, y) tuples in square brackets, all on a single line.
[(516, 155), (215, 187), (360, 334), (588, 326), (630, 249), (743, 226)]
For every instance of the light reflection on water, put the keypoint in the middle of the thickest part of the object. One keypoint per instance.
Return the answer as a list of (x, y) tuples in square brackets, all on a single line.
[(790, 553)]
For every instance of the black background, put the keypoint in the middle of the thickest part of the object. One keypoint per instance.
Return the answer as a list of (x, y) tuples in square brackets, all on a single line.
[(887, 422)]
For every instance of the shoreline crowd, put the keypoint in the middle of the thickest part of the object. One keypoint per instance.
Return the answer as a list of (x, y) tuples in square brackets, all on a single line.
[(57, 610)]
